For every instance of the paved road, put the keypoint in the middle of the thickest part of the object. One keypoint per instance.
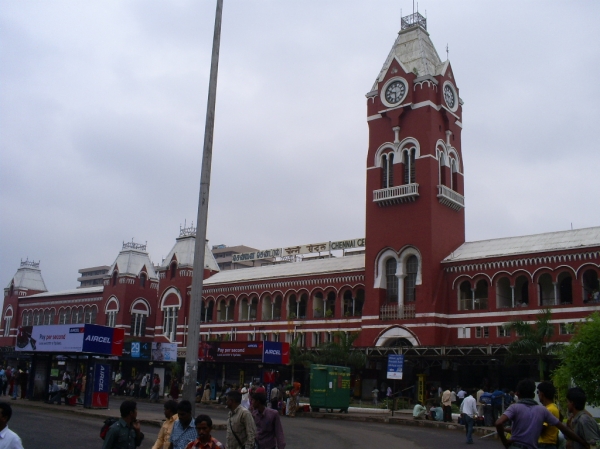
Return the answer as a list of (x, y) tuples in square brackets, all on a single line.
[(51, 429)]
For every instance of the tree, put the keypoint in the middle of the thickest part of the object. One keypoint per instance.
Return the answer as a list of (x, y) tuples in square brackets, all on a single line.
[(534, 339), (341, 351), (580, 361), (298, 356)]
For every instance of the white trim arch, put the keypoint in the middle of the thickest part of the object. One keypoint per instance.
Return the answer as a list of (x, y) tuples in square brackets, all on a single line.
[(391, 334), (144, 310), (386, 254), (381, 150), (112, 300), (169, 291), (404, 255), (401, 259)]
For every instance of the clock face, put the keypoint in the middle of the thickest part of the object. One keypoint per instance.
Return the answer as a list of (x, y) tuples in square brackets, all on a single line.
[(395, 92), (449, 96)]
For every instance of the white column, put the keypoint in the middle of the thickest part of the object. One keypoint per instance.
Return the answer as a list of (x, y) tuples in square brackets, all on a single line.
[(555, 284), (512, 292)]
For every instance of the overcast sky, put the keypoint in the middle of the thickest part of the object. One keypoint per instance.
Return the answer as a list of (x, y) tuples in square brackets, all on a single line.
[(102, 107)]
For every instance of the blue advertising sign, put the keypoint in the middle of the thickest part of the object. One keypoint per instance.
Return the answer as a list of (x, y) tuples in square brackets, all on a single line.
[(272, 352), (98, 339), (395, 365), (102, 380)]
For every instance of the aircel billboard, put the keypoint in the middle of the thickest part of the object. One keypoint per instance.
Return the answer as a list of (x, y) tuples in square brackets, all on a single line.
[(70, 338)]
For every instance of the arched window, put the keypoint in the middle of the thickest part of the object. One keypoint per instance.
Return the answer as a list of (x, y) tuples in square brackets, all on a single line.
[(112, 309), (8, 314), (143, 277), (115, 275), (465, 296), (454, 172), (173, 269), (391, 281), (139, 313), (410, 281), (565, 288), (318, 305), (481, 295), (170, 315), (546, 290), (409, 166), (591, 287), (504, 294), (64, 316), (77, 315), (521, 291), (387, 164), (330, 306), (48, 316), (27, 319), (207, 311), (353, 304), (442, 168), (90, 313)]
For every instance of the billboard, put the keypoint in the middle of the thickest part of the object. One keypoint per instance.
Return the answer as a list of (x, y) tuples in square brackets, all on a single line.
[(244, 351), (137, 350), (70, 338), (164, 352)]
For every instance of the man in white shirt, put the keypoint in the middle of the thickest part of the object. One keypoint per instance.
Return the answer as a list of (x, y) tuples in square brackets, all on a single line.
[(8, 439), (468, 412)]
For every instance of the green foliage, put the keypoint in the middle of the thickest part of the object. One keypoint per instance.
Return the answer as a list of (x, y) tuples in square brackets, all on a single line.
[(580, 361), (341, 352), (299, 356), (534, 339)]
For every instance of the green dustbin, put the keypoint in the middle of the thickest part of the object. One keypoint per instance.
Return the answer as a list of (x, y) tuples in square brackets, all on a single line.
[(329, 388)]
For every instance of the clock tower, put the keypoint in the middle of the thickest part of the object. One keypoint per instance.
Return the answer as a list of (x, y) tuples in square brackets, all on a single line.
[(414, 197)]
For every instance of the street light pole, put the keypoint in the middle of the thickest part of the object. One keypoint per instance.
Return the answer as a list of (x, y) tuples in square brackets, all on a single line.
[(193, 330)]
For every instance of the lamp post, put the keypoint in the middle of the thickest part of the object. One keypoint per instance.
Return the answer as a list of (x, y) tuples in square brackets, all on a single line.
[(193, 330)]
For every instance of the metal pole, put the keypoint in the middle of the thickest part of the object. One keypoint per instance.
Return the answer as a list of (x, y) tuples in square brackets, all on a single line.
[(193, 330)]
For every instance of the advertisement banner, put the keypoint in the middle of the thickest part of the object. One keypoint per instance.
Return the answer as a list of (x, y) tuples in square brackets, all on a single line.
[(231, 351), (102, 384), (395, 365), (57, 338), (164, 352), (103, 340), (276, 353), (137, 350), (70, 338)]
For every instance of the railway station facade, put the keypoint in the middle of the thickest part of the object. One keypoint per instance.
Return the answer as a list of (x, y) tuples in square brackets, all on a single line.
[(411, 285)]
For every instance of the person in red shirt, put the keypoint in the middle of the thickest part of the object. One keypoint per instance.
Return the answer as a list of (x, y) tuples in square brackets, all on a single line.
[(204, 440)]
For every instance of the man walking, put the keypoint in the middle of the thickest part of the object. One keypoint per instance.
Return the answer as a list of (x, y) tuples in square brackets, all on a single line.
[(269, 433), (241, 429), (468, 412), (527, 418), (184, 429), (275, 398), (164, 434), (582, 423), (8, 439), (125, 433)]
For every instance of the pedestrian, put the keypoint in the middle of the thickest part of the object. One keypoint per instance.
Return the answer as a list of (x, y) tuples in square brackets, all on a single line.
[(155, 388), (174, 391), (184, 429), (14, 383), (375, 394), (549, 437), (269, 432), (582, 423), (245, 396), (8, 439), (447, 405), (419, 411), (528, 418), (478, 400), (452, 396), (125, 433), (205, 440), (3, 379), (294, 395), (468, 412), (460, 396), (241, 430), (164, 434), (143, 385), (275, 395), (206, 394), (497, 402)]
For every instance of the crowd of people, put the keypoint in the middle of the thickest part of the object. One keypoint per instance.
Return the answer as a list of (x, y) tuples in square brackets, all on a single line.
[(252, 419), (13, 382), (520, 420)]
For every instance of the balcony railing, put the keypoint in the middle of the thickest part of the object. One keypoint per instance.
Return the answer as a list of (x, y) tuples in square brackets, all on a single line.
[(395, 195), (450, 198), (396, 312)]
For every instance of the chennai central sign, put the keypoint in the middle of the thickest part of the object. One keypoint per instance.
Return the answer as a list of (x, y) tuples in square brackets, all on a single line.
[(298, 250)]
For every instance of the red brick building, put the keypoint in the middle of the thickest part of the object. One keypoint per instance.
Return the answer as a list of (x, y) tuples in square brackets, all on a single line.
[(418, 288)]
